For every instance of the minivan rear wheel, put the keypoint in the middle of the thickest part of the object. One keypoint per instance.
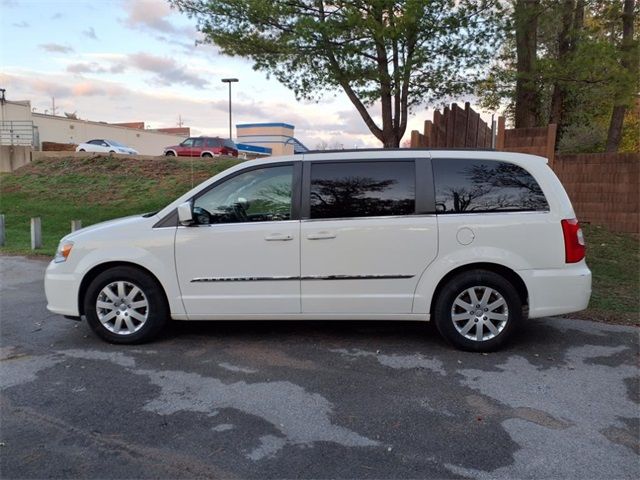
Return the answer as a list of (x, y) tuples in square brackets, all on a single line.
[(125, 305), (478, 311)]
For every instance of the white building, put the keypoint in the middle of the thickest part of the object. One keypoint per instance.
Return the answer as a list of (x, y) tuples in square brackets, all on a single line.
[(22, 130)]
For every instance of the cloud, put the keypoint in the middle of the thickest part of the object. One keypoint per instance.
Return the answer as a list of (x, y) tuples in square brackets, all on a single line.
[(21, 86), (95, 67), (150, 14), (166, 70), (56, 16), (38, 86), (90, 33), (22, 24), (155, 15), (92, 89), (352, 123), (56, 48)]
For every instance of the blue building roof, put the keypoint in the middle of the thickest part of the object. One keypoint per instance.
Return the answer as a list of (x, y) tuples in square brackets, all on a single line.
[(244, 147)]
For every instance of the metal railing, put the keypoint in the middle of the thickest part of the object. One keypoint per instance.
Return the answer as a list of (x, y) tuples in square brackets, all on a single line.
[(16, 133)]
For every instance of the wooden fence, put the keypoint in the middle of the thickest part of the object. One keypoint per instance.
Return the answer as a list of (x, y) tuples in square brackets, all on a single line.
[(58, 147), (462, 128), (454, 128), (603, 188)]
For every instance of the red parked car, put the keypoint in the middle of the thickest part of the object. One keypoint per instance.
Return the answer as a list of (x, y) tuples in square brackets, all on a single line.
[(203, 147)]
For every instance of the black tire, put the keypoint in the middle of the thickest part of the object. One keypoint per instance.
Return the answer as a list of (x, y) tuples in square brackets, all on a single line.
[(112, 151), (157, 311), (82, 150), (207, 155), (169, 154), (483, 281)]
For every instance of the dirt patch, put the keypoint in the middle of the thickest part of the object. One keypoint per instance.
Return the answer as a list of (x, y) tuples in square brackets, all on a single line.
[(629, 319), (622, 437), (483, 408), (257, 356)]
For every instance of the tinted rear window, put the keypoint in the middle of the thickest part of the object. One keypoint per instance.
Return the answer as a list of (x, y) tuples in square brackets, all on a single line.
[(473, 186), (214, 142), (362, 189)]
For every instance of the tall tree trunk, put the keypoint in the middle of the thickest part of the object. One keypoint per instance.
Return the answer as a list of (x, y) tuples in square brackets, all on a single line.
[(630, 64), (527, 93), (566, 45)]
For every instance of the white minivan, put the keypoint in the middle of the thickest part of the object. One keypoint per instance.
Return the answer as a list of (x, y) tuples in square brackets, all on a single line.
[(476, 241)]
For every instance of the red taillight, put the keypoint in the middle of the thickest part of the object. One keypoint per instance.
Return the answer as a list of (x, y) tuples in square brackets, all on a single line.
[(574, 249)]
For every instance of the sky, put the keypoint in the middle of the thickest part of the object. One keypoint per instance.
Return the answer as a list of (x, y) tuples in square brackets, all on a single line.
[(137, 60)]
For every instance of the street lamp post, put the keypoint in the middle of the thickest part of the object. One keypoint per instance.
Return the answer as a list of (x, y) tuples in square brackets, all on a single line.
[(229, 81)]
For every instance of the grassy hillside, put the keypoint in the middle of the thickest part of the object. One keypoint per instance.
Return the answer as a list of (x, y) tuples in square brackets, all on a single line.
[(100, 188), (91, 189)]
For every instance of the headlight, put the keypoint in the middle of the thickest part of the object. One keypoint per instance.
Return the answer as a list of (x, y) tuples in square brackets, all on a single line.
[(64, 249)]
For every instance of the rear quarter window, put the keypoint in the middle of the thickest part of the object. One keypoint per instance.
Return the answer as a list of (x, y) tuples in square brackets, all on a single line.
[(477, 186)]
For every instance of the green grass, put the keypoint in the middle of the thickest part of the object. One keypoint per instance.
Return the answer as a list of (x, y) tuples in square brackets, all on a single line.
[(100, 188), (614, 260), (91, 190)]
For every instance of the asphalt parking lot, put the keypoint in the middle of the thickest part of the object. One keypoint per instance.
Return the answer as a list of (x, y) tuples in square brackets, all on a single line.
[(310, 400)]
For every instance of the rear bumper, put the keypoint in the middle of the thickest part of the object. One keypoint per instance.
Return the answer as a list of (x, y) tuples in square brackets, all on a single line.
[(61, 290), (557, 291)]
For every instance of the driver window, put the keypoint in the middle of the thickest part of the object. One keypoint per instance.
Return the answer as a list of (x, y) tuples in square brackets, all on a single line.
[(260, 195)]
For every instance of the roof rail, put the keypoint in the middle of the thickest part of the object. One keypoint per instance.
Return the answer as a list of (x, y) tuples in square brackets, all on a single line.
[(418, 149)]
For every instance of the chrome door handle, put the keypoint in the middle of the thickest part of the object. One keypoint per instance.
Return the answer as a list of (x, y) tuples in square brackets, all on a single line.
[(321, 236), (278, 237)]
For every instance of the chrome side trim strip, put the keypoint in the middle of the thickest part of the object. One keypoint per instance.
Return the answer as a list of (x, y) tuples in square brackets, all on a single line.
[(355, 277), (306, 277), (241, 279)]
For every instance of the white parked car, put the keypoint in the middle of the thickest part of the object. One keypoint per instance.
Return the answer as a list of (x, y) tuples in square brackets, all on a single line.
[(105, 146), (476, 241)]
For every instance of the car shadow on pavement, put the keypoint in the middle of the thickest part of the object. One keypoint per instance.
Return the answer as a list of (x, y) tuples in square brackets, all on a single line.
[(422, 335)]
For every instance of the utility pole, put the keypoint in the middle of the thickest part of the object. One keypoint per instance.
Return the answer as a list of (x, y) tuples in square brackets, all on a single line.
[(53, 105), (229, 81), (180, 122)]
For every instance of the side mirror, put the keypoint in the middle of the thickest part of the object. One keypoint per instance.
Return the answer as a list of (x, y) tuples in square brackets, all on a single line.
[(185, 214)]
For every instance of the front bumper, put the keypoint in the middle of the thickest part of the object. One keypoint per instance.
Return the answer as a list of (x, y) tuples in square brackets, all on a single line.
[(61, 289), (557, 291)]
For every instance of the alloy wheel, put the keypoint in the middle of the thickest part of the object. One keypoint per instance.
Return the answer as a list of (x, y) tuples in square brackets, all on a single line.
[(122, 307), (479, 313)]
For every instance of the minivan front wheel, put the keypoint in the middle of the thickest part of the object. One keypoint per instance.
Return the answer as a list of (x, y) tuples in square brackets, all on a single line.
[(478, 311), (125, 305)]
